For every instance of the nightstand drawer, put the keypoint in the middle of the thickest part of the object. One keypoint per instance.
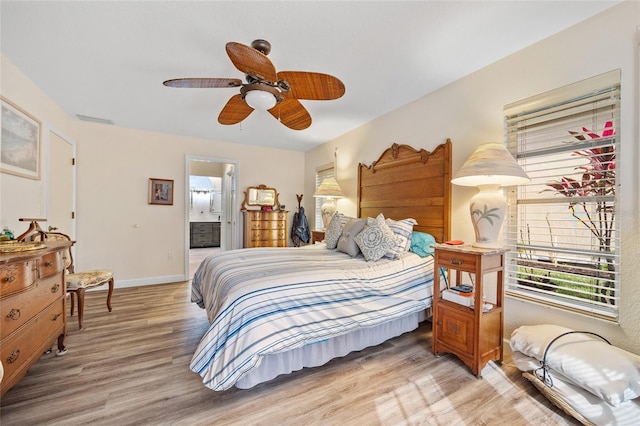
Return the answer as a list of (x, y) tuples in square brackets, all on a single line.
[(459, 261)]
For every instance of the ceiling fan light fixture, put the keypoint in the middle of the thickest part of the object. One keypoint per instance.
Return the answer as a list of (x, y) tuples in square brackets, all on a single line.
[(261, 96), (260, 100)]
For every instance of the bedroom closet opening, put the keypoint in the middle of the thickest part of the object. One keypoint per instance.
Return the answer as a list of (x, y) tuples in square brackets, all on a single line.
[(211, 224)]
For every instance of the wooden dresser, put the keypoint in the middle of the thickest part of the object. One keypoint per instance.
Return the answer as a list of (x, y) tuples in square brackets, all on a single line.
[(265, 228), (32, 307)]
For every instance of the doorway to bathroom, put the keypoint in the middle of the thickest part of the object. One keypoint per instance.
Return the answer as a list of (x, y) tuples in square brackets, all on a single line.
[(211, 209)]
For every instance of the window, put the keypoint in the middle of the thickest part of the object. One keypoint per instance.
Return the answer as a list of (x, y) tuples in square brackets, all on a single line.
[(322, 173), (562, 230)]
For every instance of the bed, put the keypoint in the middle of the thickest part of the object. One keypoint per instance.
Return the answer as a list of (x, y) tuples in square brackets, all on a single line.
[(277, 310)]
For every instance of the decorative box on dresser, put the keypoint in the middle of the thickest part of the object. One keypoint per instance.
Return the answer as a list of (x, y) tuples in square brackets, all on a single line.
[(473, 333), (265, 228), (32, 307)]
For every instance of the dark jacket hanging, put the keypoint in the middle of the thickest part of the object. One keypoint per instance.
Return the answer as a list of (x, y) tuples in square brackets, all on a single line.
[(300, 231)]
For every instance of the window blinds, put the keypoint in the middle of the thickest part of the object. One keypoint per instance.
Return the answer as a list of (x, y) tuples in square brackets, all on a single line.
[(562, 227), (321, 174)]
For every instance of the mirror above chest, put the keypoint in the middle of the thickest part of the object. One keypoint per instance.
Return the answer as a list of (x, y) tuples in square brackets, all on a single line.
[(260, 196)]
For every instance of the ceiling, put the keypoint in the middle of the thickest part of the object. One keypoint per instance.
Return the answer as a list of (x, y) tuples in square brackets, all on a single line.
[(109, 59)]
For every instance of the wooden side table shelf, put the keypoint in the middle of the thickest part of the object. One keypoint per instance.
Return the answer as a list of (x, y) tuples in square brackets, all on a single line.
[(317, 236), (472, 333)]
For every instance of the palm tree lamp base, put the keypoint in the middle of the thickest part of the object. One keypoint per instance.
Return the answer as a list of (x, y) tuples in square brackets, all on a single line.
[(487, 208)]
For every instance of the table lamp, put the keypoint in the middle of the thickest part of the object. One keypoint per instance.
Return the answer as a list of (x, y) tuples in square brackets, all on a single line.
[(330, 190), (490, 167)]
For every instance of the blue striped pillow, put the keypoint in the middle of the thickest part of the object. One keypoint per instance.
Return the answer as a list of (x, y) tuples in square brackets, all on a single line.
[(403, 229)]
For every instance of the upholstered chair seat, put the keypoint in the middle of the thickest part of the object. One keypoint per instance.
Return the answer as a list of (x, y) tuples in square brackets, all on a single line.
[(88, 279), (78, 282)]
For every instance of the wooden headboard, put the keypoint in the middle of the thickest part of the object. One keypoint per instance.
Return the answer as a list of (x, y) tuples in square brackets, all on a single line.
[(407, 183)]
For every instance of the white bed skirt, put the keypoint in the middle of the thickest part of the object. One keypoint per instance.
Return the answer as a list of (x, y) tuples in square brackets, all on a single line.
[(273, 365)]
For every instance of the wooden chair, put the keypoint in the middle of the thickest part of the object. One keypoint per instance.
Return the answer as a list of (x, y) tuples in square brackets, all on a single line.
[(78, 282)]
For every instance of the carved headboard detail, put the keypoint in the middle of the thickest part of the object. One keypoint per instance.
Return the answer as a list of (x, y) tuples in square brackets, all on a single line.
[(405, 182)]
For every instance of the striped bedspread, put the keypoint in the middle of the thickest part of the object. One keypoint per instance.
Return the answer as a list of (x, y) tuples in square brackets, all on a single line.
[(270, 300)]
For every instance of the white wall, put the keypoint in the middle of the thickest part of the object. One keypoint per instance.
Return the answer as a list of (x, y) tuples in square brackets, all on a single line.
[(136, 237), (469, 111), (113, 168), (21, 197)]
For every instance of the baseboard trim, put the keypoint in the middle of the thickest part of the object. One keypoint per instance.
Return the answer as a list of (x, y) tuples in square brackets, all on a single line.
[(169, 279)]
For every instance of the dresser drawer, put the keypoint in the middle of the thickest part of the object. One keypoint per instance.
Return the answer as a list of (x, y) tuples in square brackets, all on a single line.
[(15, 277), (18, 309), (51, 264), (265, 215), (35, 337), (269, 243), (267, 234), (199, 227), (459, 261), (267, 225), (201, 240)]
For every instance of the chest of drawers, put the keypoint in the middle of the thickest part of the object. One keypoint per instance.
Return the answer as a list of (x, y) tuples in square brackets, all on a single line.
[(204, 234), (265, 228), (32, 308)]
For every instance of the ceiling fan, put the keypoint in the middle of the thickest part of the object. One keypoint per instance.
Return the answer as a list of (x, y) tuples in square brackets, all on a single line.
[(266, 89)]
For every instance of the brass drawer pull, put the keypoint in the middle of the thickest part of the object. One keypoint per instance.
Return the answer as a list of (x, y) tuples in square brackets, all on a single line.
[(13, 356), (457, 261), (10, 279), (55, 288), (56, 316), (14, 314), (48, 264)]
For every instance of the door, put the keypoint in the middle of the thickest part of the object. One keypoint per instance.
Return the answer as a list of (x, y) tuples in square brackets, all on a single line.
[(61, 200)]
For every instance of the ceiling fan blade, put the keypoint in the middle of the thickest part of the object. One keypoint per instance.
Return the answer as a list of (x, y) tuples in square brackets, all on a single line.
[(312, 85), (292, 114), (203, 83), (252, 62), (234, 111)]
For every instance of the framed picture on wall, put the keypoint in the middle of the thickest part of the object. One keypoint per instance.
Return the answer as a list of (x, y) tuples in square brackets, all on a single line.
[(20, 149), (161, 191)]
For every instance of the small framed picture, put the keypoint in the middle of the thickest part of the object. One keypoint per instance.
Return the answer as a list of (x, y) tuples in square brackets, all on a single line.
[(161, 191), (20, 150)]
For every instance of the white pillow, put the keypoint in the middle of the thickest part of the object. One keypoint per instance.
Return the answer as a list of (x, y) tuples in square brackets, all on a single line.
[(585, 360), (376, 239), (589, 406)]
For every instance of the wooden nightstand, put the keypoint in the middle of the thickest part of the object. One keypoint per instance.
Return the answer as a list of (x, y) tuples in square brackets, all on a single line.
[(317, 236), (472, 333)]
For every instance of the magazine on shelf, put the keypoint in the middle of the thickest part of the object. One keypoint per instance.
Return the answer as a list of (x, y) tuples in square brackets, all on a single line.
[(462, 290), (451, 296)]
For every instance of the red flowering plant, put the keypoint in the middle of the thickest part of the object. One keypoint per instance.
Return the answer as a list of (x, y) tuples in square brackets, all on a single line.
[(598, 180)]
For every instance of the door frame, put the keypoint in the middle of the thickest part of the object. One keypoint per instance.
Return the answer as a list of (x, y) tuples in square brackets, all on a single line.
[(47, 131), (229, 220)]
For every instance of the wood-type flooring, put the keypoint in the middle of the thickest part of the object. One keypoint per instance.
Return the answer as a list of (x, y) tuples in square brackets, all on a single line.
[(131, 367)]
